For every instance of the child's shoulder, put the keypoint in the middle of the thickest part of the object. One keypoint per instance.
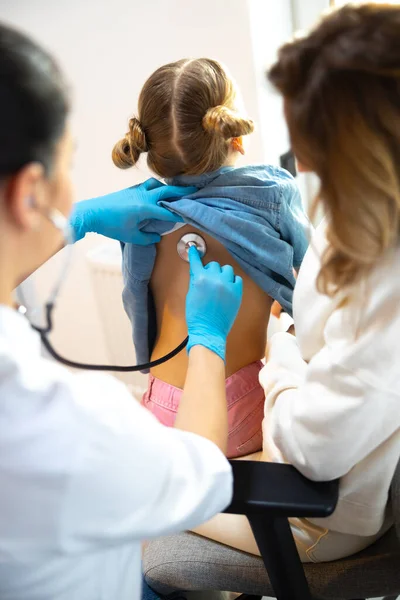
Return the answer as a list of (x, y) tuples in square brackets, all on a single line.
[(258, 175), (260, 187)]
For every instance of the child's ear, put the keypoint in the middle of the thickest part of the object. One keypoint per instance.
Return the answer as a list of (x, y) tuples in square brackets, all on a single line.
[(237, 144)]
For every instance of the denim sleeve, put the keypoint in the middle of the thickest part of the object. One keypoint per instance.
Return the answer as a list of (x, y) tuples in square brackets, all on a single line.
[(294, 225), (137, 299)]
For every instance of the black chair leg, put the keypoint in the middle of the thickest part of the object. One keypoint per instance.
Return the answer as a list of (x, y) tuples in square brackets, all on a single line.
[(279, 553)]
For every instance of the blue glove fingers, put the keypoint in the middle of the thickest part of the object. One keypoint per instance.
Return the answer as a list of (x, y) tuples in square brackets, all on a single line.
[(119, 215), (146, 239), (213, 267), (228, 273), (167, 192), (238, 283), (195, 264), (153, 211), (151, 184), (212, 303)]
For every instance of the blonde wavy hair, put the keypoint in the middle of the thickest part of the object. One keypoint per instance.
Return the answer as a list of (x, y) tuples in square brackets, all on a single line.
[(187, 116), (341, 85)]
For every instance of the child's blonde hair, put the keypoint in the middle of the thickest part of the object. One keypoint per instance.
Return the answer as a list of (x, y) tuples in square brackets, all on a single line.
[(186, 118)]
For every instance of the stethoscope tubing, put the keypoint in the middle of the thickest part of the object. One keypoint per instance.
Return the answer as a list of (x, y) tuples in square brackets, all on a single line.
[(183, 246), (44, 331)]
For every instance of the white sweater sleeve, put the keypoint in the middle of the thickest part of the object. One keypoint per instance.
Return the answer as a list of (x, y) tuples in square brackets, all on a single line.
[(326, 416), (131, 478)]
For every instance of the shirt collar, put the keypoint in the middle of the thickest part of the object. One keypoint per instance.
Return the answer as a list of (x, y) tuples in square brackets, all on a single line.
[(15, 329), (199, 181)]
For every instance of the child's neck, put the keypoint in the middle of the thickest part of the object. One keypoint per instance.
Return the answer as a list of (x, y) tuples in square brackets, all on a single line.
[(231, 160)]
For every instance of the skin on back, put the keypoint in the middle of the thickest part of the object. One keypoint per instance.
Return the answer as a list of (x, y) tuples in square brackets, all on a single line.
[(169, 285)]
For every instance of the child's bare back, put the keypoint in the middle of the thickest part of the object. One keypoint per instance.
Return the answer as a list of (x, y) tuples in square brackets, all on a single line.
[(169, 285)]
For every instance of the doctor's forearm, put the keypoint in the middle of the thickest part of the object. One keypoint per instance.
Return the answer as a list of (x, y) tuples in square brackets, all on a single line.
[(203, 408)]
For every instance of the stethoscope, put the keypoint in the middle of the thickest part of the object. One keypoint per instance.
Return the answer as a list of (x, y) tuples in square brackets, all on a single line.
[(61, 223)]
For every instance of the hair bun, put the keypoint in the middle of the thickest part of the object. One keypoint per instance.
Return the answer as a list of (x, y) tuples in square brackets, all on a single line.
[(127, 151), (137, 136), (227, 123)]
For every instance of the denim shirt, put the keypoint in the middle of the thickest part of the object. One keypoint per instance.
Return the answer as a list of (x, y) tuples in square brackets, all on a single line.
[(255, 212)]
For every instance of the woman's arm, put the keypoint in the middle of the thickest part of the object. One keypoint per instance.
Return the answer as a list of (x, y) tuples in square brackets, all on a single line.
[(119, 215), (326, 416), (212, 304), (203, 408)]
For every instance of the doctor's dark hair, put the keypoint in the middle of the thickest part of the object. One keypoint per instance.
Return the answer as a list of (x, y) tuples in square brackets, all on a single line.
[(33, 103), (341, 89), (187, 115)]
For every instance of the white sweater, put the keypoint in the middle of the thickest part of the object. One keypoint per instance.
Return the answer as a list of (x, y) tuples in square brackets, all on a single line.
[(333, 393)]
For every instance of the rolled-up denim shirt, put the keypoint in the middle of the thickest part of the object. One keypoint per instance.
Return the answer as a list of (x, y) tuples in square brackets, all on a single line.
[(255, 212)]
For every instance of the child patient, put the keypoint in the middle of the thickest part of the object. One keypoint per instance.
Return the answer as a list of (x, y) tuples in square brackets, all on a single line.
[(190, 123)]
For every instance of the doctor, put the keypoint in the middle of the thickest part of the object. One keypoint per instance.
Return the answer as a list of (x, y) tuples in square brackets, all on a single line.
[(85, 472)]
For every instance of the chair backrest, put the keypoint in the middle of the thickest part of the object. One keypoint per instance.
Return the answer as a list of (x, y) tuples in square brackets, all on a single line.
[(395, 498)]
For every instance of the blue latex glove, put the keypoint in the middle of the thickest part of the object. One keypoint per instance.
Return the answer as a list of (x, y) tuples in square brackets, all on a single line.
[(212, 303), (119, 215)]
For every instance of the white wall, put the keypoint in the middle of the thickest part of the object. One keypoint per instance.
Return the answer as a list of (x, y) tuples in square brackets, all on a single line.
[(305, 14), (270, 26), (107, 49)]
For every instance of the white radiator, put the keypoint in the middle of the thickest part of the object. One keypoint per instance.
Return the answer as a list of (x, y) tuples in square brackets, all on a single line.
[(105, 269)]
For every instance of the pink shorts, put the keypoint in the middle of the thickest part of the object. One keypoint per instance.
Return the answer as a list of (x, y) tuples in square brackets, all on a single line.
[(245, 398)]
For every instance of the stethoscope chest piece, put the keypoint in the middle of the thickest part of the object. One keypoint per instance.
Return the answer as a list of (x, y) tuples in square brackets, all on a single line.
[(189, 240)]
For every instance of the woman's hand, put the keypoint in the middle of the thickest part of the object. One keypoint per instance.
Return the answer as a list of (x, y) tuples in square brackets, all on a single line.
[(212, 303), (120, 215)]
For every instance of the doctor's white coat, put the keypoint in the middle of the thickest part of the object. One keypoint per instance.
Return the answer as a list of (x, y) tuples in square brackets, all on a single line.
[(85, 475)]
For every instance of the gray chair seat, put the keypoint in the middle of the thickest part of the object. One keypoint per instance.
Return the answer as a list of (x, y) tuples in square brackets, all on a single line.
[(190, 562)]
